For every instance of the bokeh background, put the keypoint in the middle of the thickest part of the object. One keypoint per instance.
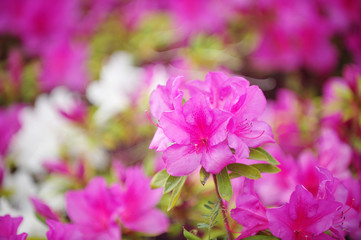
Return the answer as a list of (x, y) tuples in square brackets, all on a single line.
[(76, 76)]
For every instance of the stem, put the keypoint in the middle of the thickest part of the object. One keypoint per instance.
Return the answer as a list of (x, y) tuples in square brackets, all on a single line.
[(223, 209)]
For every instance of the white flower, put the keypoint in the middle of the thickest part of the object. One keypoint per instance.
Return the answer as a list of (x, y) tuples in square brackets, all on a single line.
[(45, 133), (119, 80)]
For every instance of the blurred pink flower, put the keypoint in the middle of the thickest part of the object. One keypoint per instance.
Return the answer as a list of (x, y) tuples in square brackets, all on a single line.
[(250, 211), (303, 217), (64, 64), (202, 16), (9, 227), (276, 189), (92, 210), (292, 120), (293, 34), (63, 231), (137, 203)]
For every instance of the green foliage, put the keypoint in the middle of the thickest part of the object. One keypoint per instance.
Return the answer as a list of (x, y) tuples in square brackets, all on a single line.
[(159, 179), (176, 192), (266, 168), (261, 237), (263, 155), (224, 185), (171, 183), (210, 218), (239, 170), (189, 235)]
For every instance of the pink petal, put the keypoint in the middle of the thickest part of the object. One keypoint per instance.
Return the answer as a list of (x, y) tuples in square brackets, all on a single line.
[(160, 141), (260, 134), (181, 160), (174, 127), (151, 222), (241, 148), (215, 158)]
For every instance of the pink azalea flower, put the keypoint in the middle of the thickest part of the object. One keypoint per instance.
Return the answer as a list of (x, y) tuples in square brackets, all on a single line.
[(250, 211), (199, 135), (137, 203), (276, 189), (192, 17), (330, 188), (38, 22), (9, 125), (285, 115), (64, 65), (303, 217), (334, 154), (222, 113), (9, 227), (63, 231), (92, 210), (293, 35)]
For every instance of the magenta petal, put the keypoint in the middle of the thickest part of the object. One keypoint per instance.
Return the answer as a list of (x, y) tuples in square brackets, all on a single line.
[(181, 160), (174, 127), (9, 227), (303, 216), (219, 127), (254, 104), (160, 141), (62, 231), (241, 148), (43, 209), (92, 207), (260, 134), (215, 158), (251, 214), (164, 98), (279, 222), (151, 222)]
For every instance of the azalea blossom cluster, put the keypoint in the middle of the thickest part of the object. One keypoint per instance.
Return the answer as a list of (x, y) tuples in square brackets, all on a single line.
[(220, 114)]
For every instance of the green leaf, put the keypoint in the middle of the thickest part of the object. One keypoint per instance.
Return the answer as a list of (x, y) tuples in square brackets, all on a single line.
[(176, 192), (159, 179), (224, 184), (171, 183), (263, 155), (189, 236), (261, 237), (266, 168), (239, 169), (203, 175)]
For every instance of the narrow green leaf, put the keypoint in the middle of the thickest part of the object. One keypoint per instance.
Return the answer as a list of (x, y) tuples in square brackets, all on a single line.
[(207, 206), (239, 169), (203, 176), (189, 236), (159, 179), (202, 225), (261, 237), (171, 183), (261, 154), (176, 192), (224, 184), (266, 168)]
